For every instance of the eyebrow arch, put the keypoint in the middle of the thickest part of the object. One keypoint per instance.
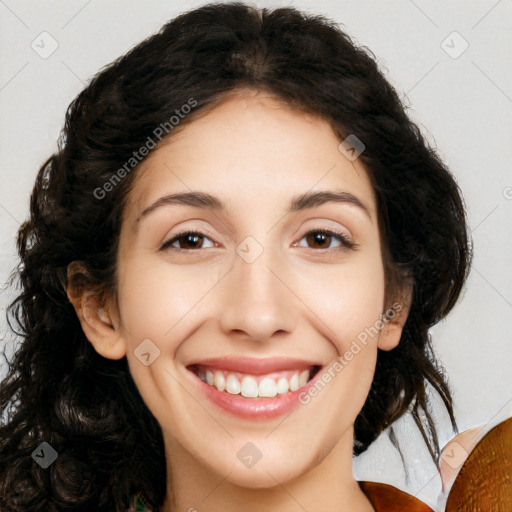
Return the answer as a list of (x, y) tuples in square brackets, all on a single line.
[(301, 202)]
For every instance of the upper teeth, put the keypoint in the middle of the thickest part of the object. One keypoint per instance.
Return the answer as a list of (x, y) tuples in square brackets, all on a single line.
[(248, 386)]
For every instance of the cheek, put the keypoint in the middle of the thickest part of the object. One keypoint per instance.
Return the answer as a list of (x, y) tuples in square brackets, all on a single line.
[(349, 299), (347, 302), (155, 298)]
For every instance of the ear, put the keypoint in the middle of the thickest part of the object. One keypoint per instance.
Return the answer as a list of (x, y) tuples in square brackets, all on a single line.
[(99, 321), (394, 320)]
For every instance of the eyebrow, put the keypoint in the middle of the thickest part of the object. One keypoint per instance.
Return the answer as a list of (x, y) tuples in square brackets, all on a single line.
[(301, 202)]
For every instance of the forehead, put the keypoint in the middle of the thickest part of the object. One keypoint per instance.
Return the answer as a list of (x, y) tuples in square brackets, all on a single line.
[(252, 150)]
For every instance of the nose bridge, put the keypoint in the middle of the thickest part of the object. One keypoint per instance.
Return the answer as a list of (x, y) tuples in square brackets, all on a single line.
[(257, 300)]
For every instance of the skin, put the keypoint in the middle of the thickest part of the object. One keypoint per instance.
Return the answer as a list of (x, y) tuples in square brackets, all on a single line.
[(308, 300), (453, 456)]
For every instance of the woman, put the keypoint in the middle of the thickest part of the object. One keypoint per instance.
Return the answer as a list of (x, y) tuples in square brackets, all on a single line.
[(237, 251)]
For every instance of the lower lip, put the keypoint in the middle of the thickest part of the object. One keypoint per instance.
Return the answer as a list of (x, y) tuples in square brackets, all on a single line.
[(253, 408)]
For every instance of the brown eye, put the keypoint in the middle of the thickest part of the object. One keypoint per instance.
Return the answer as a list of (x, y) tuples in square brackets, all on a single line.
[(188, 240), (322, 239), (319, 238)]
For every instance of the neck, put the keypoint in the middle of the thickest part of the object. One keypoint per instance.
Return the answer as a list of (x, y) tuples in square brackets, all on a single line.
[(328, 485)]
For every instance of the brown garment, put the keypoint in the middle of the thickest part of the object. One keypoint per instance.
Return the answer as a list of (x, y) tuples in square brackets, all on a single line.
[(386, 498), (483, 483)]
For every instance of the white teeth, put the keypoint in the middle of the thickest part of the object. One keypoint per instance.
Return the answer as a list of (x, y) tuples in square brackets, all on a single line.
[(283, 386), (249, 387), (303, 378), (294, 382), (268, 387), (233, 385), (219, 381)]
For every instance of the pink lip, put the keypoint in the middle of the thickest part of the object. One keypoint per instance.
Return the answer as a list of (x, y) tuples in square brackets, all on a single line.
[(255, 366), (253, 408)]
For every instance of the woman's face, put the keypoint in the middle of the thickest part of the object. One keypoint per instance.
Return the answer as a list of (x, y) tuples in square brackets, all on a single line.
[(261, 282)]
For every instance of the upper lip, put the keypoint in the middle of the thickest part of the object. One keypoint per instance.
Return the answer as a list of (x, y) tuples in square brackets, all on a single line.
[(256, 366)]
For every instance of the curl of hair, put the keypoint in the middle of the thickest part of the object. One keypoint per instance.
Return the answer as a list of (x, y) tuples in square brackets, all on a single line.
[(59, 389)]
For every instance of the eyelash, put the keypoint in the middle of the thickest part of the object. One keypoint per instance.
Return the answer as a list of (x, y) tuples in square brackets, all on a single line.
[(346, 243)]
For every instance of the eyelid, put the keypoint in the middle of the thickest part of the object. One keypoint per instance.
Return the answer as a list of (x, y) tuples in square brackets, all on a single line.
[(167, 245), (345, 240)]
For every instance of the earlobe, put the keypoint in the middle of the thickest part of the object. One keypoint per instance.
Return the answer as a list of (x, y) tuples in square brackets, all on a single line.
[(394, 321), (100, 328)]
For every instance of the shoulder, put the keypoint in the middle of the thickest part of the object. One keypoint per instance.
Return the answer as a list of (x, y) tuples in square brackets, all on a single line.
[(386, 498), (454, 454)]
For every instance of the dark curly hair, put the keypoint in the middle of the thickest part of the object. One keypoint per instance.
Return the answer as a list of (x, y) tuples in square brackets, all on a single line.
[(59, 389)]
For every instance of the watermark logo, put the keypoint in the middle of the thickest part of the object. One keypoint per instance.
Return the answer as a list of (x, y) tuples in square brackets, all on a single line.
[(249, 455), (454, 455), (351, 147), (44, 455), (249, 250), (146, 352), (45, 45), (454, 45)]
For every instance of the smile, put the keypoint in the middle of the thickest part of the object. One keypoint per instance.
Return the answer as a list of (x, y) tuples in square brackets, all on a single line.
[(254, 386), (250, 388)]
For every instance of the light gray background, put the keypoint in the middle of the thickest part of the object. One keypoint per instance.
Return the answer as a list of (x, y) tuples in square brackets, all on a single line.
[(464, 106)]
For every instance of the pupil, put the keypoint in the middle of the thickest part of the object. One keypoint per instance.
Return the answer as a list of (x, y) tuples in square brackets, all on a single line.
[(320, 238), (191, 240)]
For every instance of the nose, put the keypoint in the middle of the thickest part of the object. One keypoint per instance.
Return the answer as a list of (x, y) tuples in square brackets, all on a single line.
[(257, 300)]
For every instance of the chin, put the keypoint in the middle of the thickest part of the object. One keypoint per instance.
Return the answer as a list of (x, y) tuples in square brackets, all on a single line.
[(267, 472), (264, 478)]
